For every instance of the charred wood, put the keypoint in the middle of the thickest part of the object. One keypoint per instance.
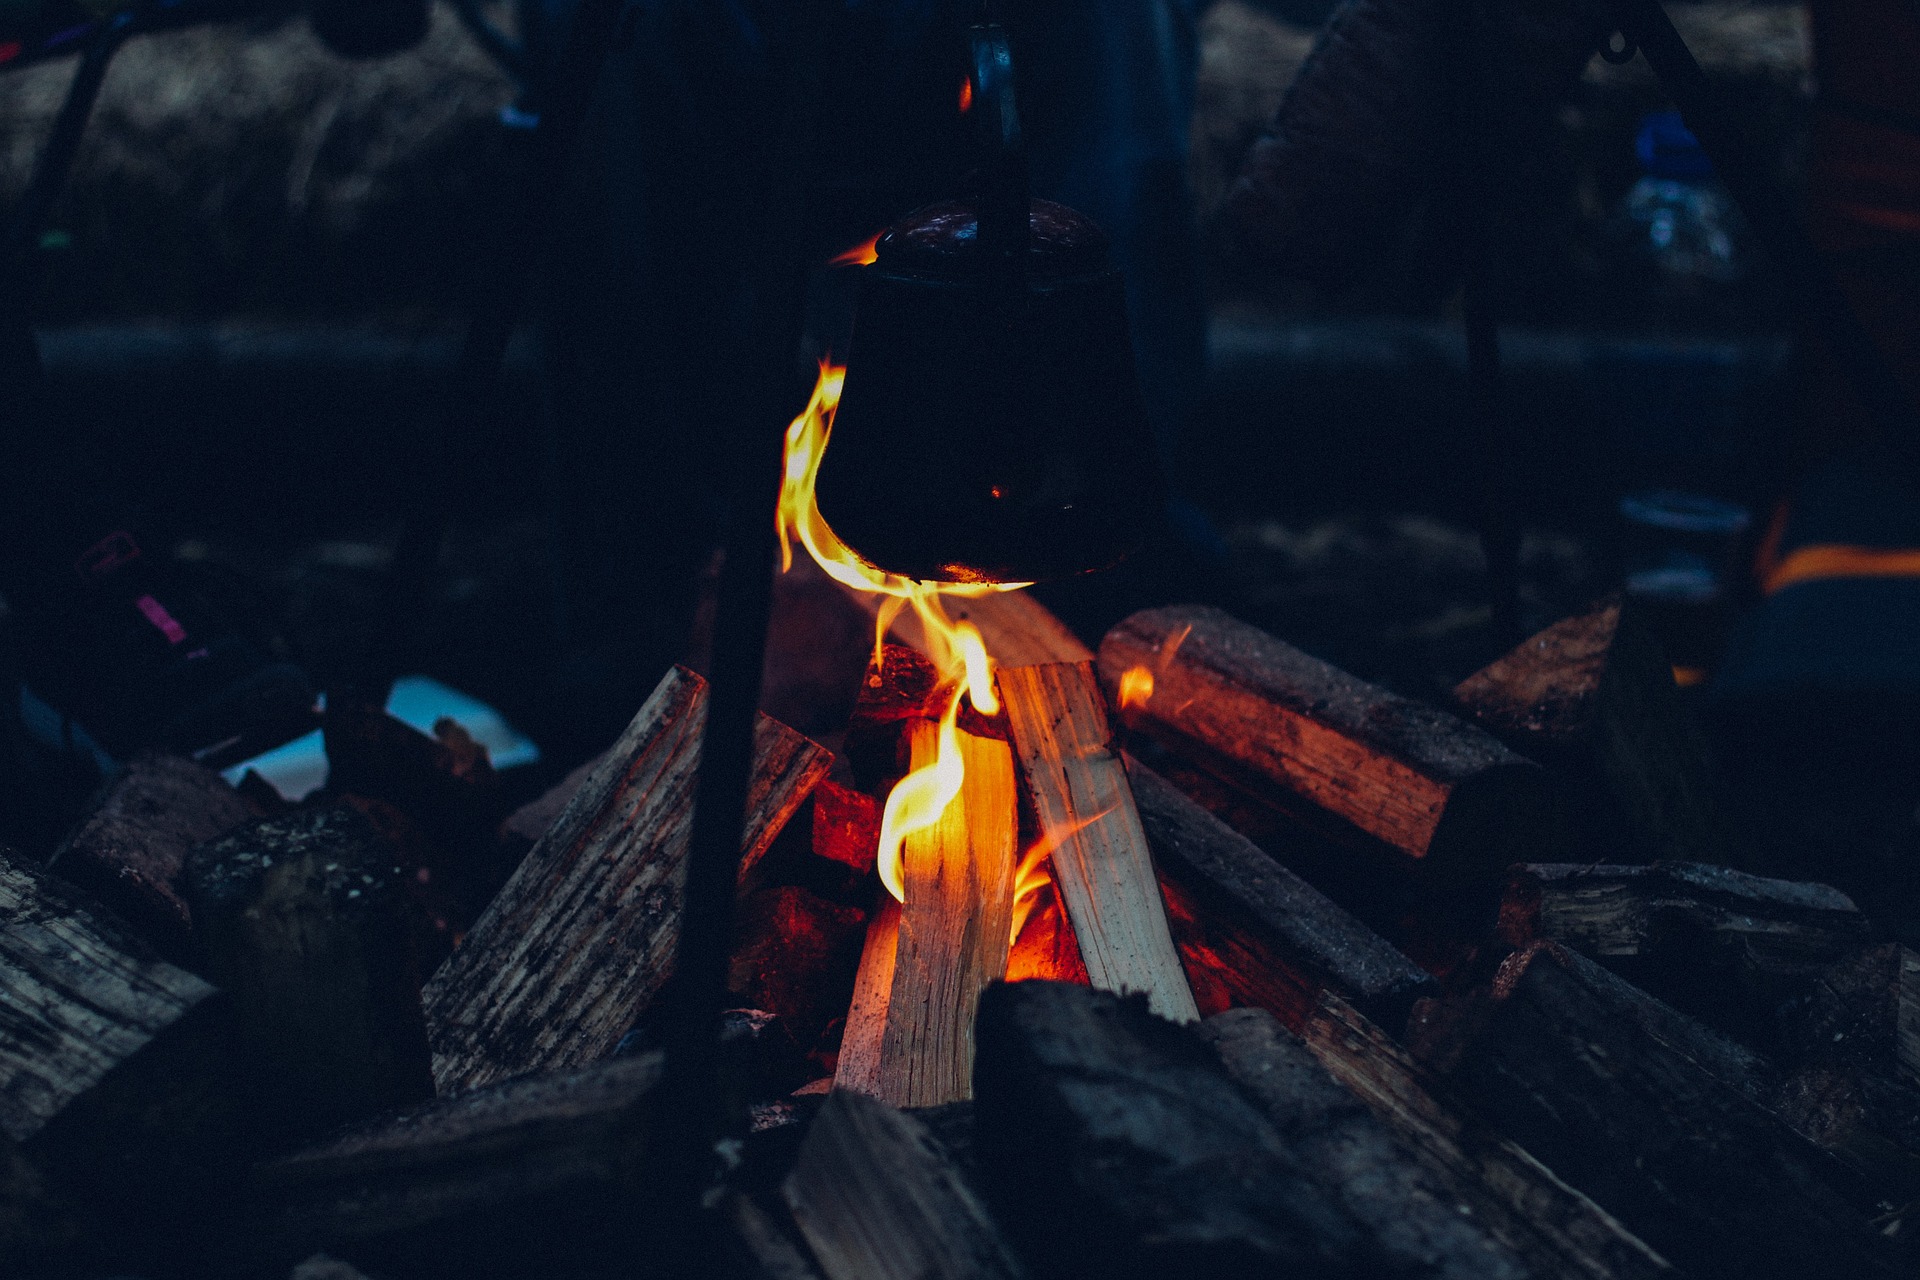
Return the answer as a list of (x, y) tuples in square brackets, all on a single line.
[(304, 921), (120, 1096), (1556, 1230), (1412, 1215), (1129, 1152), (582, 936), (878, 1198), (1264, 935), (1593, 696), (129, 852), (530, 1176), (1608, 1089)]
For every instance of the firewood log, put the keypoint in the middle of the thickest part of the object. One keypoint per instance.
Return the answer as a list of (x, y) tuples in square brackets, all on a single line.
[(1128, 1151), (120, 1102), (1410, 1214), (303, 920), (1557, 1231), (526, 1177), (1572, 1064), (1269, 938), (1640, 910), (130, 850), (1723, 946), (950, 938), (1293, 730), (761, 1249), (878, 1198), (1593, 696), (582, 937), (846, 826), (1102, 866)]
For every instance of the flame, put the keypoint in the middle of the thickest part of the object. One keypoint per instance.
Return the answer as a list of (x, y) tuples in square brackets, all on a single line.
[(966, 95), (1035, 870), (1136, 686), (863, 254), (1136, 682), (956, 649)]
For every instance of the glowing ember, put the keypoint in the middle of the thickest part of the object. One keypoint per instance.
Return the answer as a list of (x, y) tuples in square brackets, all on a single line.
[(966, 96), (955, 648), (1136, 686), (863, 254)]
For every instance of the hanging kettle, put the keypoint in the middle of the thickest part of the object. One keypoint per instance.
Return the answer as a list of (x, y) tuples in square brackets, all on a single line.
[(990, 428)]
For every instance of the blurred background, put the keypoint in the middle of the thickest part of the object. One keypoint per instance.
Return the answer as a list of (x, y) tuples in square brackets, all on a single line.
[(252, 289)]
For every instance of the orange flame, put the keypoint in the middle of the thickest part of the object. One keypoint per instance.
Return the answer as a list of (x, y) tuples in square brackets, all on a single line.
[(966, 95), (1035, 871), (863, 254), (1136, 686), (956, 649)]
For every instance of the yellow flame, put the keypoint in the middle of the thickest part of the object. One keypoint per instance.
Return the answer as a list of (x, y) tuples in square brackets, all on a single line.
[(956, 649), (1035, 871), (864, 254), (1136, 686)]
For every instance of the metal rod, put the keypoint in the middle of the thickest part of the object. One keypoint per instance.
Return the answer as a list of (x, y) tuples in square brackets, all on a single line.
[(691, 1113), (1824, 310)]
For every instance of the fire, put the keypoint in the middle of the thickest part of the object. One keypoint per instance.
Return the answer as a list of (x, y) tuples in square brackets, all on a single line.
[(1136, 683), (863, 254), (966, 95), (1136, 686), (1035, 871), (955, 648)]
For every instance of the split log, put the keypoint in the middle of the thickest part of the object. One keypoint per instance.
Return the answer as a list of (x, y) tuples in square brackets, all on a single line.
[(119, 1096), (878, 1198), (130, 850), (1555, 1229), (1863, 1009), (858, 1069), (1417, 1225), (582, 937), (1593, 696), (525, 825), (1101, 864), (1608, 911), (1129, 1152), (1289, 728), (952, 934), (846, 826), (1267, 937), (1727, 947), (303, 920), (901, 688), (462, 1183), (1567, 1060)]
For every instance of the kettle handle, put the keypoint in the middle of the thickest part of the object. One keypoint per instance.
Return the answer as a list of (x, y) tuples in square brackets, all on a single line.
[(1004, 202)]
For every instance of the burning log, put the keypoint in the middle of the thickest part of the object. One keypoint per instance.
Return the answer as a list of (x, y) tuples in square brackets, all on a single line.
[(582, 936), (1411, 1215), (858, 1070), (1593, 696), (1287, 727), (523, 1177), (878, 1198), (1267, 937), (303, 920), (951, 936), (1131, 1153), (118, 1093), (1555, 1229), (794, 956), (1019, 631), (1101, 864), (846, 826), (1636, 911), (130, 850), (1596, 1079)]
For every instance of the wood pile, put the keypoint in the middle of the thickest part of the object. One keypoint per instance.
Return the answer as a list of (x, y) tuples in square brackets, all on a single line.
[(1149, 1004)]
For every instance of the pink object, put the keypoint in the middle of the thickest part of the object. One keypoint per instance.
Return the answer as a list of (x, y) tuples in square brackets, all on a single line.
[(157, 614)]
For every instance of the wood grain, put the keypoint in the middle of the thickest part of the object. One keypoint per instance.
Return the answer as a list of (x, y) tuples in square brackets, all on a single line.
[(582, 936), (858, 1067), (1556, 1229), (1101, 862), (878, 1198), (1287, 726)]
